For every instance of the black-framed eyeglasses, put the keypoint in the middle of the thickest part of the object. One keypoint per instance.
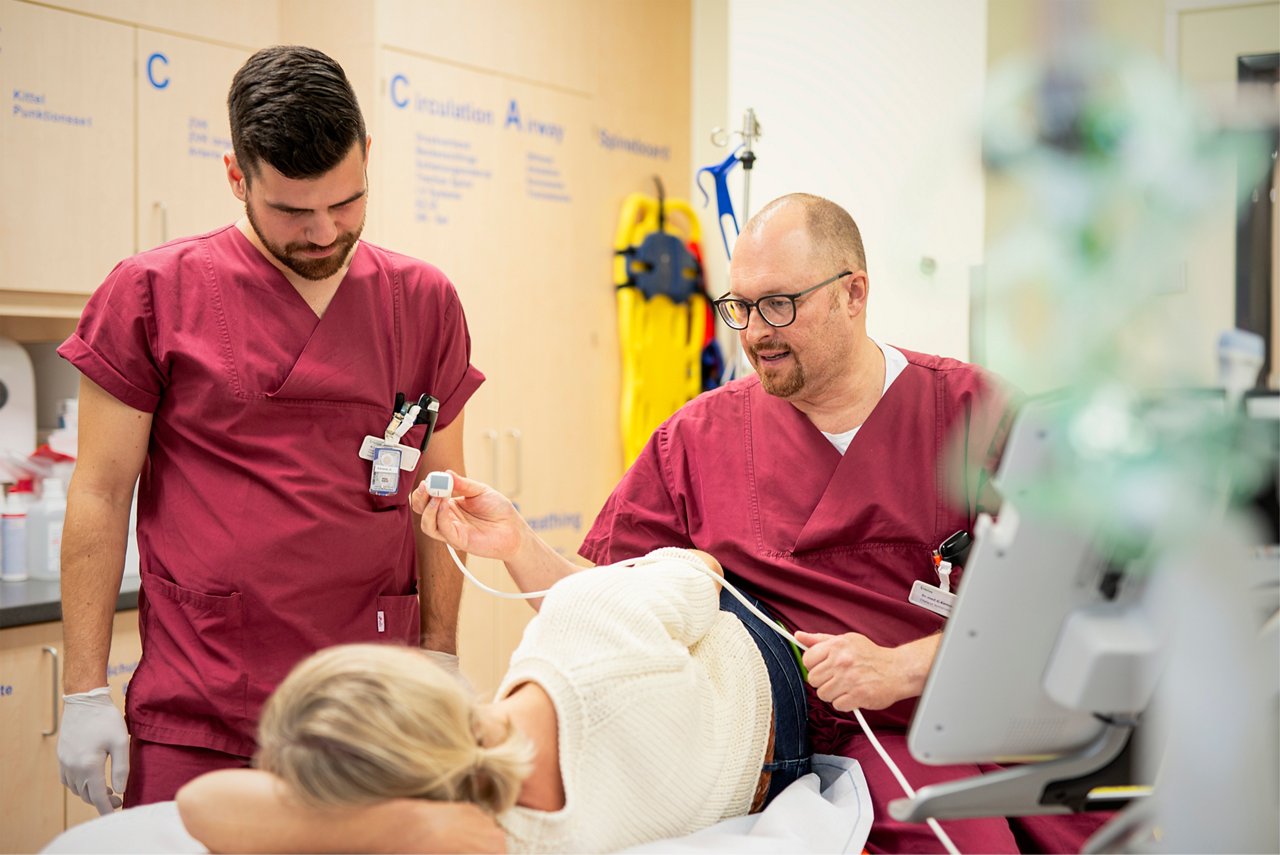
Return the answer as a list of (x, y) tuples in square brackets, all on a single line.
[(777, 310)]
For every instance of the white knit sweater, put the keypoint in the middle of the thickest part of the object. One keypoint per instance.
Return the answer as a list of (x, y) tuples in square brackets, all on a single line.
[(663, 704)]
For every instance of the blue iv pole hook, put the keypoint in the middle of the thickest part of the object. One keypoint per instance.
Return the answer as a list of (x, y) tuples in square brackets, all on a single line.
[(744, 154), (724, 203)]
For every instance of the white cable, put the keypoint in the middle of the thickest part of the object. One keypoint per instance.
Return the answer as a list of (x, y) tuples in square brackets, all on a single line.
[(506, 595), (778, 628), (533, 595), (942, 836)]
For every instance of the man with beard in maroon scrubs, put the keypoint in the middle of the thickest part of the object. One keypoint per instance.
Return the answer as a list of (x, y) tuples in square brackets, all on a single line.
[(238, 372), (823, 483)]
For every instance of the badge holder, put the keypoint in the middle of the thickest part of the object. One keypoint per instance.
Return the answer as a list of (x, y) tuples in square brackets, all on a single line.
[(386, 453)]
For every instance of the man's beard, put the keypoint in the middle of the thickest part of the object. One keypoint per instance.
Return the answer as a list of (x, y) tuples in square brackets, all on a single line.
[(314, 269), (779, 384)]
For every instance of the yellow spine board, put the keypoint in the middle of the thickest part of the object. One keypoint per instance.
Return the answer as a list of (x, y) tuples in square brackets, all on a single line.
[(660, 340)]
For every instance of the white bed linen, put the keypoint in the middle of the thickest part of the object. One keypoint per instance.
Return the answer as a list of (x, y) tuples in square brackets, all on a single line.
[(146, 829), (826, 811)]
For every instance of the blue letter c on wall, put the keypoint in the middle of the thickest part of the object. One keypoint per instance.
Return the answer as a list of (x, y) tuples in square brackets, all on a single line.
[(396, 98), (157, 57)]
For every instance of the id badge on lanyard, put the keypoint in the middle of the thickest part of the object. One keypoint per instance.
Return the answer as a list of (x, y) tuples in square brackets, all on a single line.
[(388, 456)]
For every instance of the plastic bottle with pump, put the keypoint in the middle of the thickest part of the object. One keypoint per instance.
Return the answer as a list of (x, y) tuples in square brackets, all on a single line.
[(13, 532), (44, 531)]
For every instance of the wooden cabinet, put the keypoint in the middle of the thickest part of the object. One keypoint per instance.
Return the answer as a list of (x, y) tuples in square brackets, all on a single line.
[(67, 137), (31, 800), (34, 806), (181, 93), (113, 142)]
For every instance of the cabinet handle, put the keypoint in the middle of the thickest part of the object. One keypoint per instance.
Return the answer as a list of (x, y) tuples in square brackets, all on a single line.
[(53, 651), (518, 444), (492, 436)]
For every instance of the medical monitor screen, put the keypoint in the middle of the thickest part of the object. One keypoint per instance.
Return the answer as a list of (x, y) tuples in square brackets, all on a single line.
[(985, 698), (1013, 640)]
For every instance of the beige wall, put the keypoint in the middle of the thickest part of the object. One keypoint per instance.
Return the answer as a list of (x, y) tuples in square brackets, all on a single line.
[(710, 111), (237, 23), (873, 105)]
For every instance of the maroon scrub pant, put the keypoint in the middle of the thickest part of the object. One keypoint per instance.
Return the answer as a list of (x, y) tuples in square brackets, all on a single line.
[(157, 771)]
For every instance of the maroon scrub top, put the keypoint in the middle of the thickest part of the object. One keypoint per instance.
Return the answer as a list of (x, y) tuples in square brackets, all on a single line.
[(831, 543), (258, 537)]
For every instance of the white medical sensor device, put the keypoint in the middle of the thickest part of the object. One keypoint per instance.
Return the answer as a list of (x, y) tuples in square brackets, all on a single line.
[(440, 485)]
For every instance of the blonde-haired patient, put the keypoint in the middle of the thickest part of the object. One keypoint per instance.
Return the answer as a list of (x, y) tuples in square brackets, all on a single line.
[(392, 728), (634, 709)]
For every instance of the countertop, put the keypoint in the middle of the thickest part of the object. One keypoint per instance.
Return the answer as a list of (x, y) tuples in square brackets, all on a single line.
[(40, 601)]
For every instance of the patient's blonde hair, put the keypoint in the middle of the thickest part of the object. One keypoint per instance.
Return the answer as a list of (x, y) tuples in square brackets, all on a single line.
[(357, 723)]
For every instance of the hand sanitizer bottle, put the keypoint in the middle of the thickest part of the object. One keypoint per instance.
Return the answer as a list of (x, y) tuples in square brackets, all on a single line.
[(44, 531), (13, 531)]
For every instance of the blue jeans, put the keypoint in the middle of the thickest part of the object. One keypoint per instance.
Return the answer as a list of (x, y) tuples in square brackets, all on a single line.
[(791, 751)]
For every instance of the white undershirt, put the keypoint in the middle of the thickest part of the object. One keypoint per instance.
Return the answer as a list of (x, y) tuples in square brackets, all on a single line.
[(894, 364)]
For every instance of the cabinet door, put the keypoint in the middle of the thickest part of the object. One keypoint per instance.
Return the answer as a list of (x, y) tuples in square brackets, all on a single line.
[(126, 650), (31, 805), (182, 134), (66, 133)]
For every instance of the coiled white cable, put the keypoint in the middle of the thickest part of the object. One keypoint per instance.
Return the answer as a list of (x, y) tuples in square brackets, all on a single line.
[(933, 824)]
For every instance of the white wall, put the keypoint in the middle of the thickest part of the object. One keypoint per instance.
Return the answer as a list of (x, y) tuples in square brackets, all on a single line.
[(874, 105)]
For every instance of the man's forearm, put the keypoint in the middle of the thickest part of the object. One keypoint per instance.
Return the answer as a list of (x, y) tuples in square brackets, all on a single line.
[(915, 659), (537, 566), (93, 549), (440, 594)]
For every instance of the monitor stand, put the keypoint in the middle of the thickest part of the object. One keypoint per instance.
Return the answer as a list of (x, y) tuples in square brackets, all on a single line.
[(1056, 786)]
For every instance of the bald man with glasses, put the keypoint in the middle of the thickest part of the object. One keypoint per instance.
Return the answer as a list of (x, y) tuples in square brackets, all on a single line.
[(823, 484)]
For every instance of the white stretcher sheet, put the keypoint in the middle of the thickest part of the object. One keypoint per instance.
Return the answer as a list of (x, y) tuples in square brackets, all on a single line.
[(826, 811)]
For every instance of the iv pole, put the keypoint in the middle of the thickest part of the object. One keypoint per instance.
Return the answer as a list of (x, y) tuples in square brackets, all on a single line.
[(746, 155), (750, 133)]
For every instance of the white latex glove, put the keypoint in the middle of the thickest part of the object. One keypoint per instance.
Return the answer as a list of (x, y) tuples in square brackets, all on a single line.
[(93, 728), (449, 662)]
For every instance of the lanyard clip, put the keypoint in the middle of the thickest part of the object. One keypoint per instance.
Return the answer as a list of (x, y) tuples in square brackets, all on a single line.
[(406, 415), (401, 422), (952, 552), (944, 574), (398, 413)]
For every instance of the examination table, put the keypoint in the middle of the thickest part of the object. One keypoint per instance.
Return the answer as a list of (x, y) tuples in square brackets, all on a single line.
[(827, 810)]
